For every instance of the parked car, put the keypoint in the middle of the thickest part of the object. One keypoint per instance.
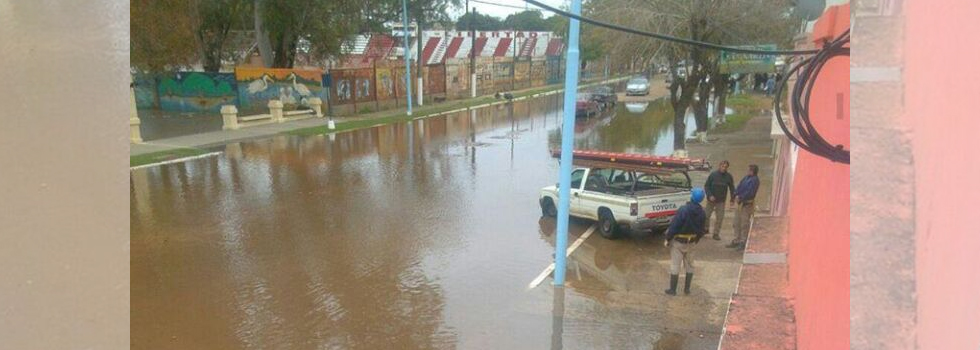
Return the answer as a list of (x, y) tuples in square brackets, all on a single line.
[(605, 95), (586, 105), (638, 86)]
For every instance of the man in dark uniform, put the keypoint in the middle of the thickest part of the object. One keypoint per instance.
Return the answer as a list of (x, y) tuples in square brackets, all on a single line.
[(685, 230), (718, 185), (745, 196)]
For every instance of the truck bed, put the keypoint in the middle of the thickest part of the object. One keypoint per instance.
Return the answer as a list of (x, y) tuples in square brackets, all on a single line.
[(646, 192)]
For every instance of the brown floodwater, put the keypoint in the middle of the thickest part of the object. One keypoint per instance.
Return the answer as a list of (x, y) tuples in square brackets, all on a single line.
[(421, 235)]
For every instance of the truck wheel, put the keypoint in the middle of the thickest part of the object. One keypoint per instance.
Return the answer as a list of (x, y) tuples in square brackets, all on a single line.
[(607, 225), (548, 207)]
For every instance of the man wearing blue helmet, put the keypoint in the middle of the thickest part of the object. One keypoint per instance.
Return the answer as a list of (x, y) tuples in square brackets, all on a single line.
[(685, 230)]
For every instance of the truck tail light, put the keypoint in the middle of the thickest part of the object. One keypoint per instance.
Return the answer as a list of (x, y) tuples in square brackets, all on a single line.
[(634, 210)]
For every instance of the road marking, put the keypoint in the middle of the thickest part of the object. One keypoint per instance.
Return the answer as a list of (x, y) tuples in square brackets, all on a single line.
[(551, 268)]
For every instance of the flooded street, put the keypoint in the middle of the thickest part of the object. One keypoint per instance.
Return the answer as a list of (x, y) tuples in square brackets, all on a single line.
[(421, 235)]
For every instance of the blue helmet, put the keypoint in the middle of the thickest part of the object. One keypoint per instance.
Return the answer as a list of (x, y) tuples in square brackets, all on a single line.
[(697, 194)]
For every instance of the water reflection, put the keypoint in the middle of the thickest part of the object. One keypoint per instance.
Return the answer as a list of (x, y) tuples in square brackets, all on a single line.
[(649, 132), (636, 107), (557, 318)]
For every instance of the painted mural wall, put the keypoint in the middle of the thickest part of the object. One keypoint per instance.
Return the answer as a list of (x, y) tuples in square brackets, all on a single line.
[(457, 78), (186, 91), (256, 86), (251, 88), (385, 80)]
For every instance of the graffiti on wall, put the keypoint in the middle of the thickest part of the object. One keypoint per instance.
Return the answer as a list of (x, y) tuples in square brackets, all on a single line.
[(352, 85), (399, 74), (186, 91), (293, 87), (386, 85), (457, 80), (365, 84), (502, 70)]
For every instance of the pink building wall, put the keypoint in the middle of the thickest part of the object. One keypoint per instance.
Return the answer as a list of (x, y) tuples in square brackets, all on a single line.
[(941, 103), (819, 211)]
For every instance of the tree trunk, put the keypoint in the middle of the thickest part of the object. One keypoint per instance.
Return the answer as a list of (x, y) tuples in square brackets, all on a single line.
[(285, 50), (679, 128), (681, 97), (701, 106), (212, 59), (156, 90), (720, 82), (262, 36)]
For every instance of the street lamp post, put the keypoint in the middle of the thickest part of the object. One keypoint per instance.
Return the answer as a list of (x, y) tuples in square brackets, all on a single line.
[(472, 52), (567, 131), (408, 65)]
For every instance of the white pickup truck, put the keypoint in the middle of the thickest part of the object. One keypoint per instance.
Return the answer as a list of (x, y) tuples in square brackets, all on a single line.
[(622, 198)]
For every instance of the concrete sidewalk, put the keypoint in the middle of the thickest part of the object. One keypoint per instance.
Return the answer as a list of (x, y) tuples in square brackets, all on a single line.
[(257, 131), (761, 314)]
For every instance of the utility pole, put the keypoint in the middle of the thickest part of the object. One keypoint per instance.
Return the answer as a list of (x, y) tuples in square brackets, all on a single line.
[(513, 67), (472, 51), (408, 64), (567, 136)]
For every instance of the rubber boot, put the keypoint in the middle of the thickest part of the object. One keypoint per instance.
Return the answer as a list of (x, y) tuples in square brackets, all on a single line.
[(673, 285), (687, 283)]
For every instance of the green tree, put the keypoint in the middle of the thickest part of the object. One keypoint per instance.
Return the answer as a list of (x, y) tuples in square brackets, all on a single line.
[(590, 40), (557, 24), (172, 35), (161, 35), (213, 21), (161, 40), (478, 21), (530, 20), (327, 25)]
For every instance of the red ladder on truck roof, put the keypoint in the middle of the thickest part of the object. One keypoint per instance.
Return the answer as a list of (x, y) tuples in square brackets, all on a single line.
[(595, 158)]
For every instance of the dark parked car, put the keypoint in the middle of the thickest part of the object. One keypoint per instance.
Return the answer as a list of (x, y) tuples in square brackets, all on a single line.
[(605, 95), (586, 105)]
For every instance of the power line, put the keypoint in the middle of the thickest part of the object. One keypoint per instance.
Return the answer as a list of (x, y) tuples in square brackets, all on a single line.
[(500, 5), (670, 38)]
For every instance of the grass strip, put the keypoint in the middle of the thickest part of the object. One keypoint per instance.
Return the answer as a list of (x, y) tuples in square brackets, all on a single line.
[(163, 156), (733, 123)]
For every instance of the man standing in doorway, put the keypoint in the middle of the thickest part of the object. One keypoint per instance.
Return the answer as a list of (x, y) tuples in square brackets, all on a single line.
[(718, 184), (745, 197), (685, 230)]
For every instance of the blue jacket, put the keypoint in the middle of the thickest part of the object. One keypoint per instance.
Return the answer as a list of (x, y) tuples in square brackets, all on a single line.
[(689, 219), (747, 188)]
